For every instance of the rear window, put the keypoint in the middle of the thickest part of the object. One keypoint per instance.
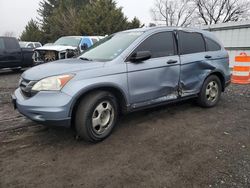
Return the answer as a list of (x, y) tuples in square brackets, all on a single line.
[(160, 45), (11, 43), (191, 42), (212, 45)]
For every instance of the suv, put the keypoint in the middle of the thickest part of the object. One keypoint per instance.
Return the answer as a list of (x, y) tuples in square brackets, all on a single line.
[(126, 71)]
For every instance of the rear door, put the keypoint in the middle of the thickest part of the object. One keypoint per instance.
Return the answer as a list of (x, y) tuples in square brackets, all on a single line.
[(193, 57), (156, 79)]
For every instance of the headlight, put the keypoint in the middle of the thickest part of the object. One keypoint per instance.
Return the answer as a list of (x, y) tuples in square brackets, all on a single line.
[(54, 83)]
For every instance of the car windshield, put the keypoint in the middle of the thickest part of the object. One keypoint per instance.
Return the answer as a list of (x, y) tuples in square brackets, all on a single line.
[(68, 41), (22, 44), (110, 47)]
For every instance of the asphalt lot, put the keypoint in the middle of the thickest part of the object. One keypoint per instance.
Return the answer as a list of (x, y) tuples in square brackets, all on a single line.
[(179, 145)]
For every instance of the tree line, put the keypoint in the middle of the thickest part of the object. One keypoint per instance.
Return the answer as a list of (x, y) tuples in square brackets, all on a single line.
[(102, 17), (76, 17)]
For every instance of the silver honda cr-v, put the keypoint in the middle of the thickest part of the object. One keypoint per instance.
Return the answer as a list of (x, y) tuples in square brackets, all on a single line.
[(124, 72)]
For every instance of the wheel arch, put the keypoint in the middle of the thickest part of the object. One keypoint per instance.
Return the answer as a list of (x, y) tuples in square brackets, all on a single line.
[(116, 91), (221, 76)]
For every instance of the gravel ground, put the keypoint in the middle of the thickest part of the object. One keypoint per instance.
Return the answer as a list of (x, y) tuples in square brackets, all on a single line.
[(179, 145)]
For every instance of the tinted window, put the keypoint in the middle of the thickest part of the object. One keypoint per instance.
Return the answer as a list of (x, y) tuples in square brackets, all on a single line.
[(2, 46), (11, 44), (212, 45), (191, 43), (160, 45)]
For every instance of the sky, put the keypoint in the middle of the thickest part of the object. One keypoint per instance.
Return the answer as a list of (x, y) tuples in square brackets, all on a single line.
[(15, 14)]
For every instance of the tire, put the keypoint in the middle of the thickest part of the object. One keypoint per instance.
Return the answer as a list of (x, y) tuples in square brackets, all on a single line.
[(96, 116), (210, 92)]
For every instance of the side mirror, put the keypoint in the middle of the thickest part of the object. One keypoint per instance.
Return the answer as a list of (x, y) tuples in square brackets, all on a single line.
[(140, 56)]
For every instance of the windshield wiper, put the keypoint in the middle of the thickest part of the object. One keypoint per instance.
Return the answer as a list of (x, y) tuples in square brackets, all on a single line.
[(85, 59)]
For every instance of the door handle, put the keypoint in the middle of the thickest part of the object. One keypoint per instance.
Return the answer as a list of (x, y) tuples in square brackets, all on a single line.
[(171, 61), (208, 56)]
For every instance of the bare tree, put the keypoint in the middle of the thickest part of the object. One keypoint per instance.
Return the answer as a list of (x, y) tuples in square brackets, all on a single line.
[(220, 11), (9, 34), (173, 12)]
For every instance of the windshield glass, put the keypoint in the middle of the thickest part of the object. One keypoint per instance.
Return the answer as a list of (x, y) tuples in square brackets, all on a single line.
[(68, 41), (110, 47), (22, 44)]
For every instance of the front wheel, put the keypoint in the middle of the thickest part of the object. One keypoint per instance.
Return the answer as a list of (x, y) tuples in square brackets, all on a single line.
[(96, 116), (210, 92)]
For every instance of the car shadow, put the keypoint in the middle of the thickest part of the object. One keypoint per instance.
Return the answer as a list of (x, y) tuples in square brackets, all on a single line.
[(4, 72), (56, 134)]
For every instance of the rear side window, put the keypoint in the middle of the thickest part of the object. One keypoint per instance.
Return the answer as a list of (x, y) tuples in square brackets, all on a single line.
[(191, 42), (160, 45), (212, 45), (2, 46), (11, 44)]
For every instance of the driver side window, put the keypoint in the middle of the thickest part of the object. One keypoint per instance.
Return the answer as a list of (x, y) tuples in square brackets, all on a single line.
[(160, 45)]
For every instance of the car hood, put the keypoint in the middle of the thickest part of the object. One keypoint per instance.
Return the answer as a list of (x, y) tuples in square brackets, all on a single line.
[(55, 48), (60, 67)]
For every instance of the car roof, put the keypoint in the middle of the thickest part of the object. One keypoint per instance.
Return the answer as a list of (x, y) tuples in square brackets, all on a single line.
[(7, 37), (170, 28), (28, 42), (72, 36)]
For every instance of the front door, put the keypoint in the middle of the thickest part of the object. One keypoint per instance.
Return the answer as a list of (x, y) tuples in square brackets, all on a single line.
[(155, 80)]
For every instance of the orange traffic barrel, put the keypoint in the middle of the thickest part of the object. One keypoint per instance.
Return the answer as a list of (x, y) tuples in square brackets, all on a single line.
[(241, 69)]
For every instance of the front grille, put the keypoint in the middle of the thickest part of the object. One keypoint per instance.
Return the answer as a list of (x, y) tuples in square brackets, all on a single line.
[(26, 87), (44, 56)]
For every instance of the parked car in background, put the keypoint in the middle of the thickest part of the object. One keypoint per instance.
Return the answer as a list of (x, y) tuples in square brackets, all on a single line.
[(13, 56), (63, 48), (32, 45), (126, 71)]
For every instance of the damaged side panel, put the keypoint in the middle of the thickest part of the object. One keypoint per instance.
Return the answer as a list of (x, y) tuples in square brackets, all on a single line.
[(193, 71), (153, 81), (196, 67)]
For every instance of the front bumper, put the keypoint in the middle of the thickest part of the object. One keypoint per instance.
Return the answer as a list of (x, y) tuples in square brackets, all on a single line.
[(228, 80), (47, 108)]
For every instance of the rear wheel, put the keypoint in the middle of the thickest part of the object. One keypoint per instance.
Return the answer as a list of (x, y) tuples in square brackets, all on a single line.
[(210, 92), (96, 116)]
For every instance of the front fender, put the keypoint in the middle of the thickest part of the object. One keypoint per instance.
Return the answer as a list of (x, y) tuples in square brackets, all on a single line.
[(78, 88)]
